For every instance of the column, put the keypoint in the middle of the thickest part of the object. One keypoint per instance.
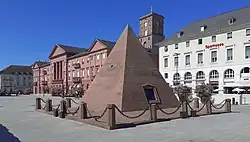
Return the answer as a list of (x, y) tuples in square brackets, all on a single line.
[(57, 70), (61, 72), (54, 73)]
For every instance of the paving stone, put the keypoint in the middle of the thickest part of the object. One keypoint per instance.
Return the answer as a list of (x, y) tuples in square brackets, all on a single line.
[(19, 116)]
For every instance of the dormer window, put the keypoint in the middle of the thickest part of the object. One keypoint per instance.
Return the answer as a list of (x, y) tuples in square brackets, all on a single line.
[(231, 21), (179, 34), (203, 28), (166, 48)]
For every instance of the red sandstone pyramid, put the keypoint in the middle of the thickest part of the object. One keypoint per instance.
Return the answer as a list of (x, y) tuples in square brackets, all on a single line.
[(120, 80)]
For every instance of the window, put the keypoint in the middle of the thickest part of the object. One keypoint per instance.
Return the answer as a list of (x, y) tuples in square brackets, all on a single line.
[(78, 74), (187, 43), (213, 38), (200, 58), (229, 35), (187, 77), (200, 75), (145, 33), (97, 57), (82, 61), (229, 54), (166, 62), (176, 46), (200, 41), (203, 28), (149, 38), (176, 79), (73, 73), (229, 74), (83, 73), (247, 32), (214, 56), (247, 52), (145, 24), (166, 48), (88, 72), (103, 55), (78, 61), (214, 74), (68, 64), (187, 60), (231, 21), (166, 75), (176, 61)]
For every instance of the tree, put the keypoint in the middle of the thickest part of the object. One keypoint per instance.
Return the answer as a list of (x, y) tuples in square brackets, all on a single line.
[(204, 92), (183, 92), (77, 91)]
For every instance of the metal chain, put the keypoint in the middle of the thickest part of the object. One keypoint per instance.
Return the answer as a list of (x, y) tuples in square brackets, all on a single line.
[(43, 100), (97, 117), (169, 113), (132, 117), (190, 107), (44, 106), (56, 107), (74, 101), (73, 113), (201, 108), (218, 107), (220, 103)]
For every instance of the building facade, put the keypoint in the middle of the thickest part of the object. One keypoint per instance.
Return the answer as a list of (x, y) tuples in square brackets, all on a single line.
[(69, 66), (15, 78), (214, 50)]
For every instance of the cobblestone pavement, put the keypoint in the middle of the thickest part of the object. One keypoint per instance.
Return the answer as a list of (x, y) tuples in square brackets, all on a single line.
[(18, 115)]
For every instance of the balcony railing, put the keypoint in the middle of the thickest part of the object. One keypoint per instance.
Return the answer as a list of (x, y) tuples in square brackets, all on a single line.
[(44, 83), (77, 80), (77, 65)]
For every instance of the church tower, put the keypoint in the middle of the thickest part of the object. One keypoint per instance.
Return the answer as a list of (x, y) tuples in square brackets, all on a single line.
[(151, 30)]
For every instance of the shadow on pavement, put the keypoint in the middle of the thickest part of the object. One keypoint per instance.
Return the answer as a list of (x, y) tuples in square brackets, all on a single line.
[(6, 136)]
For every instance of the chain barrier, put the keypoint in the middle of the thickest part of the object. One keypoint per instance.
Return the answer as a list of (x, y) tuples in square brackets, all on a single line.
[(73, 113), (74, 101), (216, 106), (220, 103), (97, 117), (169, 113), (56, 107), (43, 100), (190, 107), (132, 117), (201, 108), (44, 106)]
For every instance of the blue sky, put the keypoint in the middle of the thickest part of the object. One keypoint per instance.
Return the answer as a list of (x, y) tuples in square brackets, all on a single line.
[(30, 28)]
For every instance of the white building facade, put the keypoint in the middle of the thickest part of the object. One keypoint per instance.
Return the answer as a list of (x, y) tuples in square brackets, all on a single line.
[(215, 50)]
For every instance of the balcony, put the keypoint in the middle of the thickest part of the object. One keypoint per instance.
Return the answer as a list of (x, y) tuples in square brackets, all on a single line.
[(44, 83), (77, 80), (77, 65), (35, 83), (44, 72)]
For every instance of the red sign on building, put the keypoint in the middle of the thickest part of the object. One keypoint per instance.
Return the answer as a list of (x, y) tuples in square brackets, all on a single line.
[(214, 45)]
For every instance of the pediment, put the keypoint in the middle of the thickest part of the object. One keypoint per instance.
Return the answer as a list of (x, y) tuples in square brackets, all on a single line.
[(57, 50), (96, 45)]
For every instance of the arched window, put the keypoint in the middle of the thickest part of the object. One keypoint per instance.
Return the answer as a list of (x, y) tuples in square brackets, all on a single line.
[(187, 77), (214, 74), (176, 79), (200, 75), (229, 74), (245, 70)]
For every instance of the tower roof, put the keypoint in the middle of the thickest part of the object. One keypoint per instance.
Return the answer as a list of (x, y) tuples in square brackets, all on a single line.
[(127, 68)]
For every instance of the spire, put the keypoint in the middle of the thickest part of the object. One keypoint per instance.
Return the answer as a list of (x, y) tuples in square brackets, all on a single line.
[(151, 9)]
